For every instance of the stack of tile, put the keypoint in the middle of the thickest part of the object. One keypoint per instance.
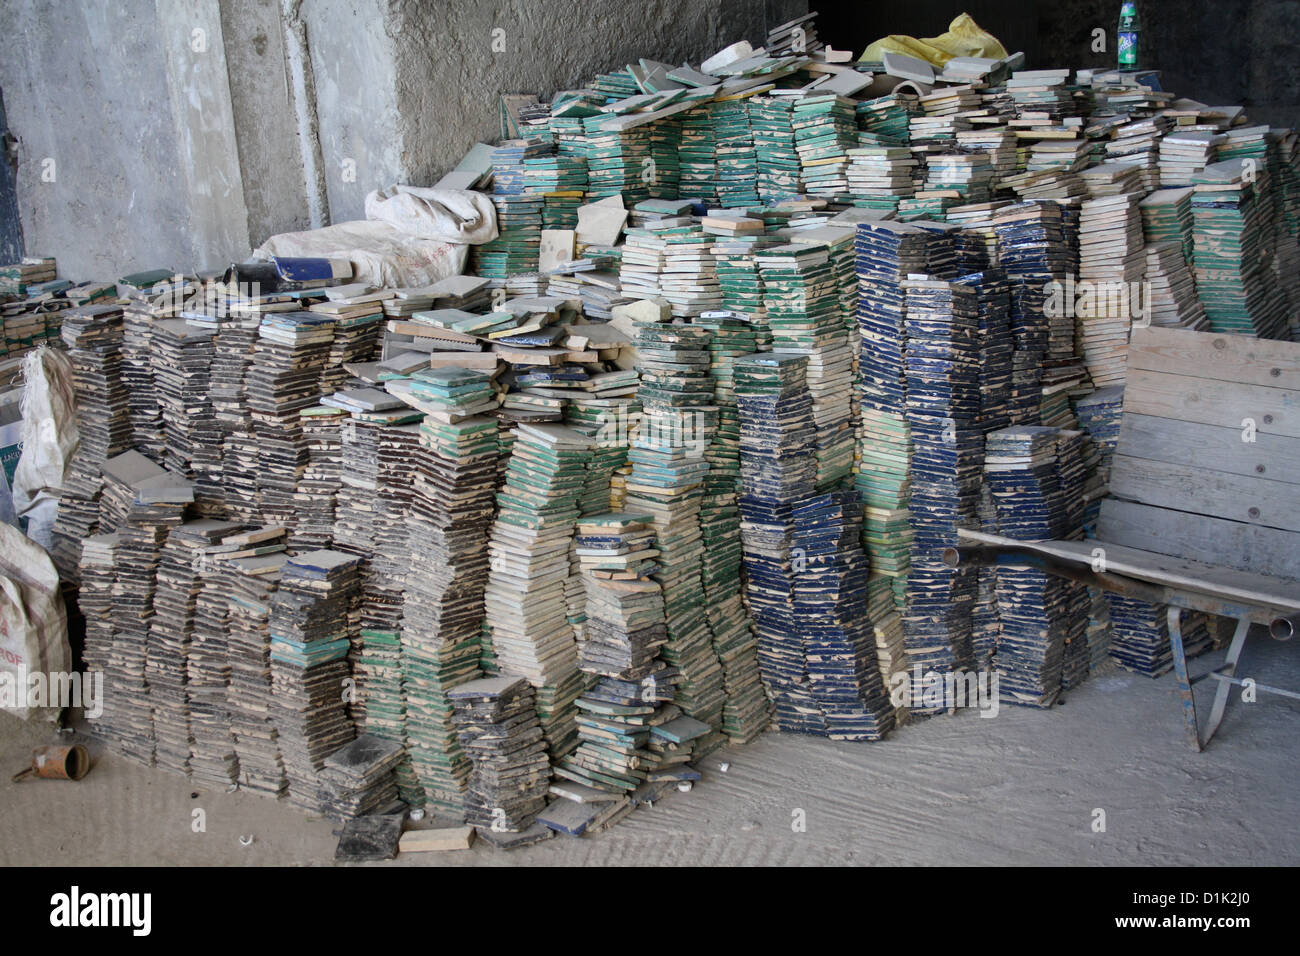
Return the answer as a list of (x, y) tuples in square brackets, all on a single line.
[(1171, 290), (1167, 217), (880, 175), (212, 756), (496, 724), (308, 625), (943, 408), (529, 551), (1032, 251), (249, 585), (359, 778), (182, 362), (1022, 470), (232, 353), (1138, 144), (1186, 152), (1100, 414), (1229, 252), (618, 158), (128, 707), (176, 589), (996, 346), (280, 382), (969, 175), (888, 117), (518, 241), (137, 372), (1112, 261), (802, 304), (886, 254), (824, 129), (95, 601), (689, 280), (778, 468), (642, 265), (625, 634), (779, 170), (450, 514), (94, 337), (1140, 635), (321, 480), (741, 283), (838, 640), (737, 160), (667, 482), (999, 144), (745, 714), (697, 155)]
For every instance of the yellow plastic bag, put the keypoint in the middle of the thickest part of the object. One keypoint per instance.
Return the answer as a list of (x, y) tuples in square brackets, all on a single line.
[(964, 38)]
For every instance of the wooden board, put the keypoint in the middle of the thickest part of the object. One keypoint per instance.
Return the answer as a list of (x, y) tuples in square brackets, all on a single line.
[(1273, 504), (1274, 411), (1211, 447), (1224, 583), (1238, 359), (436, 839), (1214, 541)]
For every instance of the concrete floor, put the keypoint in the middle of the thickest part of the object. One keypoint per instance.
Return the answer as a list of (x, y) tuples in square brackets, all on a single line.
[(1020, 788)]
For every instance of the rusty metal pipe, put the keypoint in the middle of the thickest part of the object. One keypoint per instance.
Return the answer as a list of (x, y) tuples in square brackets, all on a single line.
[(58, 762)]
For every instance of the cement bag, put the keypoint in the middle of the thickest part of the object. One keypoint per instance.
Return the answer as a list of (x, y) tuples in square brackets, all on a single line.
[(451, 215), (50, 437), (964, 38), (33, 627), (380, 254)]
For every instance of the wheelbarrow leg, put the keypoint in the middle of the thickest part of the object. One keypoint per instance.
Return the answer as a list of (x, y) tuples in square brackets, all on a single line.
[(1228, 669), (1184, 684)]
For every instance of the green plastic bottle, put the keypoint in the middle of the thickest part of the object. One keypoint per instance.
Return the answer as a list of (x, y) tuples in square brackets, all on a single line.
[(1128, 36)]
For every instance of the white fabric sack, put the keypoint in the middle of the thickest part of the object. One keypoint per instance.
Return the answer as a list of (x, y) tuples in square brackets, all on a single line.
[(33, 621), (380, 254), (426, 212), (49, 437)]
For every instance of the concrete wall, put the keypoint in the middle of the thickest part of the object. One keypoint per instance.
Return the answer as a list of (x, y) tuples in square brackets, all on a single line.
[(182, 133)]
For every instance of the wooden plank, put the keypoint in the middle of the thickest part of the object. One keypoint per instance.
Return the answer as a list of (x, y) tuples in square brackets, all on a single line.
[(1246, 587), (436, 839), (1210, 447), (1256, 500), (1240, 359), (1274, 411), (1232, 544)]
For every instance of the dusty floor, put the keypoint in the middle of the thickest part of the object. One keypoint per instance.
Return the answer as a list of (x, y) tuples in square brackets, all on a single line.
[(1020, 788)]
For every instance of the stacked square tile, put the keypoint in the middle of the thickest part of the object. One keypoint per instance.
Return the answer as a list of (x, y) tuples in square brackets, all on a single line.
[(778, 468), (801, 299), (249, 585), (451, 513), (280, 382), (943, 406), (527, 614), (1112, 262), (309, 666), (94, 336), (830, 595), (182, 363), (171, 630), (1032, 251), (746, 712), (667, 482), (633, 687)]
